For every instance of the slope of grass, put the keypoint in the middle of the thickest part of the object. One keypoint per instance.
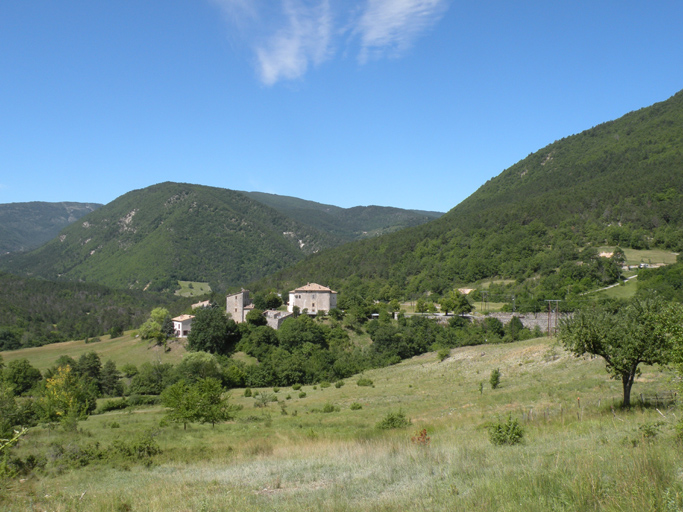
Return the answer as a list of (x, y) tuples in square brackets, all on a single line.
[(625, 291), (193, 288), (649, 256), (578, 453), (126, 349)]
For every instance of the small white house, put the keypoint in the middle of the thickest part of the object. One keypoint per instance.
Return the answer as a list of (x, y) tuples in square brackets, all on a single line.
[(182, 325)]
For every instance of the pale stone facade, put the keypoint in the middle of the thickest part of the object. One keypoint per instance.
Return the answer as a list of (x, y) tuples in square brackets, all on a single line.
[(313, 298), (274, 318), (238, 305)]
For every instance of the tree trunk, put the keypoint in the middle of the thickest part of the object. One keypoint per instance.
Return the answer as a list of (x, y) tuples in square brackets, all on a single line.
[(627, 381)]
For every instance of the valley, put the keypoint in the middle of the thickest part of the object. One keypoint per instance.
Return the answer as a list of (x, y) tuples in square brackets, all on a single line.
[(426, 384)]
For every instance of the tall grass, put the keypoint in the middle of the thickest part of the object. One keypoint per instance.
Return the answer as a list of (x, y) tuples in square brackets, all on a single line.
[(577, 453)]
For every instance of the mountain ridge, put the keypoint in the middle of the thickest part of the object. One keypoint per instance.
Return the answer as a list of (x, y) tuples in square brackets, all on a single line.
[(152, 237), (618, 183), (27, 225)]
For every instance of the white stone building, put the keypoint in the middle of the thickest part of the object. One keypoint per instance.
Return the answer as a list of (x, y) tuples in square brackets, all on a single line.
[(313, 298), (182, 325)]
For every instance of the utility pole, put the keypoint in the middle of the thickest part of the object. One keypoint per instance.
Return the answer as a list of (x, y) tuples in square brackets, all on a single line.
[(513, 317), (557, 306)]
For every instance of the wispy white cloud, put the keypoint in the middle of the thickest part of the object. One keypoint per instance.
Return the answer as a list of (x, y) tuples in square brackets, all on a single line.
[(300, 33), (391, 26), (305, 38)]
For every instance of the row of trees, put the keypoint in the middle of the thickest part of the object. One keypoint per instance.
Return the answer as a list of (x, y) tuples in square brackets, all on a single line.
[(194, 390), (66, 392)]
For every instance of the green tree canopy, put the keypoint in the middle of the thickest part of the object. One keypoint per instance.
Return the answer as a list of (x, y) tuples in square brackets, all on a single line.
[(623, 338), (204, 401), (212, 331), (21, 375)]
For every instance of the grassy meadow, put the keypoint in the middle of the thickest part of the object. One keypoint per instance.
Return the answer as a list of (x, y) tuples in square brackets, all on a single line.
[(193, 289), (580, 451), (649, 256), (122, 350)]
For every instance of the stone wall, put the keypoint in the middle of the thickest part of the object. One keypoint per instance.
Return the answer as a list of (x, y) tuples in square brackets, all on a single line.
[(531, 320)]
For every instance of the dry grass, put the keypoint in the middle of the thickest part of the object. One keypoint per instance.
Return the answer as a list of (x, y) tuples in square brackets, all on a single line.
[(122, 350), (577, 454)]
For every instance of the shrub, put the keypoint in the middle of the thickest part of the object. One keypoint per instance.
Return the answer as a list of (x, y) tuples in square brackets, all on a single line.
[(296, 387), (421, 438), (339, 384), (328, 407), (142, 446), (276, 390), (115, 331), (394, 420), (264, 399), (355, 406), (324, 385), (495, 378), (443, 353), (112, 405), (364, 381), (144, 400), (509, 432), (302, 394), (247, 392), (129, 370), (650, 430)]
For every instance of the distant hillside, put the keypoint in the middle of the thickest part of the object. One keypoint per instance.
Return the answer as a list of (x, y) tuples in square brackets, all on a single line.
[(151, 238), (617, 184), (25, 226), (347, 223), (36, 312)]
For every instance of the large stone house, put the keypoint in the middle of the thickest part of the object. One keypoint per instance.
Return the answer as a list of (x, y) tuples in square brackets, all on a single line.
[(313, 298), (238, 305)]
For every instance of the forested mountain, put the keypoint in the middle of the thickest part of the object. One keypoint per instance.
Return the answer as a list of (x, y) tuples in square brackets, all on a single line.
[(619, 183), (151, 238), (25, 226), (36, 312), (347, 223)]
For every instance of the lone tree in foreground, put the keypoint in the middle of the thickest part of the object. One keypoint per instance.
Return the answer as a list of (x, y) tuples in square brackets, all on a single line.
[(623, 338)]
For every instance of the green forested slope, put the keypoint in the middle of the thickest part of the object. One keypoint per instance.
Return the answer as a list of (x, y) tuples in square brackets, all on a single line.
[(35, 312), (25, 226), (619, 183), (150, 238), (348, 223)]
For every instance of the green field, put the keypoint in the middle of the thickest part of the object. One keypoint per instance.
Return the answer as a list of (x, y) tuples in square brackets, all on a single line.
[(650, 256), (578, 453), (193, 289), (625, 291), (126, 349)]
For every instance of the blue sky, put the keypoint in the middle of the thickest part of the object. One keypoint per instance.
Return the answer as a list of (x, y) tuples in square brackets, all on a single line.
[(408, 103)]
